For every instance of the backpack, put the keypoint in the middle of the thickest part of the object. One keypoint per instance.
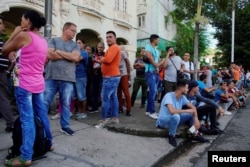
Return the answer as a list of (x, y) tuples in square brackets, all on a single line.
[(41, 144)]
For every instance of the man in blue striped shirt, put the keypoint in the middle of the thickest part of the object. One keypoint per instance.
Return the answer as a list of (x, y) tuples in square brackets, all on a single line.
[(5, 109)]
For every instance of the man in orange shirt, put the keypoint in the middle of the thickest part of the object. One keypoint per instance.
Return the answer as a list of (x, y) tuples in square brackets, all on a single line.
[(111, 78)]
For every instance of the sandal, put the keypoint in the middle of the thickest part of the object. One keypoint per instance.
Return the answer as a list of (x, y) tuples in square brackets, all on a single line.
[(18, 162)]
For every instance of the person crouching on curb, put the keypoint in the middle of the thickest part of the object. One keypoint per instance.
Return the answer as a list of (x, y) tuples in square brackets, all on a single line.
[(172, 115)]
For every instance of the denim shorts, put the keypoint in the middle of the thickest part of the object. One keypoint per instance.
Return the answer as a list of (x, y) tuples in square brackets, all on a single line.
[(80, 89)]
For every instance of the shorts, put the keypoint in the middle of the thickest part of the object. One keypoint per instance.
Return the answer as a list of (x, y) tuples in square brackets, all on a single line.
[(80, 89)]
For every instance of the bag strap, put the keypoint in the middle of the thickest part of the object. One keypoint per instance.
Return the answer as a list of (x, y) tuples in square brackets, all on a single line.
[(190, 65), (173, 64)]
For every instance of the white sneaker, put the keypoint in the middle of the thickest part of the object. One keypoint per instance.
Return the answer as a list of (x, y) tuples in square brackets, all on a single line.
[(57, 116), (101, 124), (70, 114), (147, 113), (153, 116), (228, 113)]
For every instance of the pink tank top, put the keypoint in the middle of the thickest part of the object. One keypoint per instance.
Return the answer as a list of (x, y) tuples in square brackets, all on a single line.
[(31, 63)]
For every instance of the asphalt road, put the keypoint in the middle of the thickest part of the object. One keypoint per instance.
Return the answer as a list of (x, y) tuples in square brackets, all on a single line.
[(235, 138)]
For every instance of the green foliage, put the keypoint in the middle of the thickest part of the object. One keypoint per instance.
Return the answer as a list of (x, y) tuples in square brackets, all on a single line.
[(242, 33), (184, 39)]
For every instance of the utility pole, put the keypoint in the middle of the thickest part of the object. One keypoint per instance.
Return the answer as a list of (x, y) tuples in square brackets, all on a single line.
[(48, 16), (233, 29)]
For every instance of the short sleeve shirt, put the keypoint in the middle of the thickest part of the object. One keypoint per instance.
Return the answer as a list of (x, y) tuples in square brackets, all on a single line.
[(218, 94), (201, 85), (123, 67), (155, 54), (170, 98), (63, 70), (170, 71)]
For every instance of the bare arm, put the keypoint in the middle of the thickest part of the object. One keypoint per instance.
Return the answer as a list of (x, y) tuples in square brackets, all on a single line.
[(52, 55), (18, 39), (73, 56), (151, 60)]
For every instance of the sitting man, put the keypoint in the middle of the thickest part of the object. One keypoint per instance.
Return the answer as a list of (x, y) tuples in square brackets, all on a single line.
[(222, 97), (205, 107), (204, 90), (172, 115), (235, 95)]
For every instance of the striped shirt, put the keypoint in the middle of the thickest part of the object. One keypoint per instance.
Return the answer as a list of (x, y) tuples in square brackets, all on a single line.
[(4, 61)]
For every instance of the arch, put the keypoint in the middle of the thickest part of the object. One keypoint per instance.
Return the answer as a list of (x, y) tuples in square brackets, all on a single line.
[(90, 36), (121, 41), (11, 22)]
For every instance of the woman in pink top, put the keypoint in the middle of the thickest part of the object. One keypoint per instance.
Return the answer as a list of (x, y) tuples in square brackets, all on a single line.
[(31, 49)]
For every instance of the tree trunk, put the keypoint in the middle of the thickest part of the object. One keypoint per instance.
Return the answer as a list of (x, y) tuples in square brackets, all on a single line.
[(196, 50)]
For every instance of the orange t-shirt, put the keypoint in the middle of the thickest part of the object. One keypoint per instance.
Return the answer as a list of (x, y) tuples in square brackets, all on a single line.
[(111, 61), (236, 74)]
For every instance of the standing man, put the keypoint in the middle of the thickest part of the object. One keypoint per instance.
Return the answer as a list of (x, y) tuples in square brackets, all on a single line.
[(4, 93), (189, 66), (111, 78), (60, 72), (172, 63), (152, 70), (96, 83), (140, 80), (123, 86)]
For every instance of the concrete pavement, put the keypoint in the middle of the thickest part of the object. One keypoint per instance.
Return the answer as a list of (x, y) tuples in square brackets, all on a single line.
[(92, 147)]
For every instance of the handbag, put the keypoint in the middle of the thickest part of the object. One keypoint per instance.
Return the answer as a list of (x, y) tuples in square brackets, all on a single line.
[(180, 75)]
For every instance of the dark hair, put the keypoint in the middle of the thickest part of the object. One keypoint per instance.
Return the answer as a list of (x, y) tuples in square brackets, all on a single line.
[(111, 32), (1, 17), (168, 47), (37, 21), (203, 76), (153, 37), (181, 83), (81, 39)]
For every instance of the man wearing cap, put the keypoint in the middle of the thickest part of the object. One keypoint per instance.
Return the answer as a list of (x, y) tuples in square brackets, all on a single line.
[(172, 114), (205, 107)]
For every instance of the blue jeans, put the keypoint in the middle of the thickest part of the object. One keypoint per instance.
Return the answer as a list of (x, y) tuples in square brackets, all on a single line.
[(151, 78), (65, 90), (30, 104), (80, 88), (173, 121), (109, 96)]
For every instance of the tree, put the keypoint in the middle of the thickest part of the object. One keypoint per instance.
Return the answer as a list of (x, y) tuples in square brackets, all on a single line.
[(186, 10), (242, 32)]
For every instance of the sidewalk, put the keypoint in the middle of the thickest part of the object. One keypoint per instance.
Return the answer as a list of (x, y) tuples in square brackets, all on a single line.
[(91, 147)]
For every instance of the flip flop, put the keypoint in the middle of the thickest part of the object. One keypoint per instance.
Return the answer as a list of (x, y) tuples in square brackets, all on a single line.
[(18, 162)]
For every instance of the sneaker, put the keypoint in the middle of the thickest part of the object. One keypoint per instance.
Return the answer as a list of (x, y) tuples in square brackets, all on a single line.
[(228, 113), (128, 113), (70, 115), (115, 121), (147, 113), (101, 124), (67, 131), (81, 116), (199, 138), (172, 140), (9, 129), (153, 116), (57, 116)]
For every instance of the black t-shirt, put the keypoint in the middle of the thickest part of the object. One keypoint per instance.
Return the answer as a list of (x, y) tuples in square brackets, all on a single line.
[(140, 72)]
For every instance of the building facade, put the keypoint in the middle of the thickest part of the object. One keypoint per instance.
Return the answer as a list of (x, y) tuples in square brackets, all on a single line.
[(92, 17), (151, 19)]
